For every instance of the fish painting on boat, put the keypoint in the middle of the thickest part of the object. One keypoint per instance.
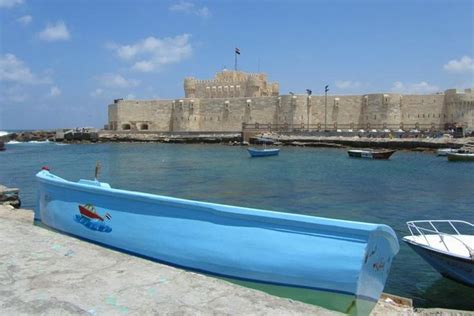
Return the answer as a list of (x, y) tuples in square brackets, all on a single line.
[(338, 264), (91, 219)]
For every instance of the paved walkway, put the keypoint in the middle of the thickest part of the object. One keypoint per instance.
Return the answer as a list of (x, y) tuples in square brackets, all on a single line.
[(43, 272)]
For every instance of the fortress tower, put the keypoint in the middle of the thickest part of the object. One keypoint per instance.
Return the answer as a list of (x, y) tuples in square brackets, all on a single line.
[(231, 84)]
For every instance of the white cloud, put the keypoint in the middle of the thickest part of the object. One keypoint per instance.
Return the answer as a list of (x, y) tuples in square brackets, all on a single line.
[(116, 81), (14, 93), (151, 53), (203, 12), (9, 3), (463, 65), (190, 8), (415, 88), (347, 84), (97, 92), (55, 32), (25, 20), (54, 92), (13, 69)]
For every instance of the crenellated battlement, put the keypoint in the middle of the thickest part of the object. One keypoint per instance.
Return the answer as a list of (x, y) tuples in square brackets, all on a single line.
[(235, 97), (230, 84)]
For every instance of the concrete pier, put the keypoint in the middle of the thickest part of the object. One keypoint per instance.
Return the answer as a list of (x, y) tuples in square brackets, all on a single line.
[(47, 273), (43, 272)]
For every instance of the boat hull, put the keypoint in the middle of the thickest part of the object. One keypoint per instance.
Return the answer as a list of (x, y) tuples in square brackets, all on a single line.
[(263, 152), (273, 249), (445, 151), (460, 157), (458, 269), (370, 154)]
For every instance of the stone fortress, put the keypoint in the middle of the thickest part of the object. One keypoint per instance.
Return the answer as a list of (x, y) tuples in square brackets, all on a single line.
[(235, 99)]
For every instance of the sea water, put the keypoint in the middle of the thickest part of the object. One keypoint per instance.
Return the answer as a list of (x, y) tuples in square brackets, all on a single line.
[(311, 181)]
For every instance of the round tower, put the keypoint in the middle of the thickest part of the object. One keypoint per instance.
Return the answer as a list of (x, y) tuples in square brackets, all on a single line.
[(190, 87), (254, 84)]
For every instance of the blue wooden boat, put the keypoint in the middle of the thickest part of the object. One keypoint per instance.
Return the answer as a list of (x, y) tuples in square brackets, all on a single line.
[(341, 265), (254, 152)]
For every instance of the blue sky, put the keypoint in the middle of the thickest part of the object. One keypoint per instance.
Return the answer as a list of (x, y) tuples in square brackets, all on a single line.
[(63, 62)]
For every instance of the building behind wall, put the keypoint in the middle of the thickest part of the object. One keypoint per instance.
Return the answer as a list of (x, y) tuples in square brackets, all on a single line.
[(233, 98)]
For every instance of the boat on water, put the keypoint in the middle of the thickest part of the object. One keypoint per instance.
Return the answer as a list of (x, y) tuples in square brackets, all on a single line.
[(265, 152), (371, 153), (337, 264), (461, 156), (447, 245), (446, 151)]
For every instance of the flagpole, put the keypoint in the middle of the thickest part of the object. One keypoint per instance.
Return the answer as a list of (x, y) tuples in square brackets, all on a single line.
[(235, 65)]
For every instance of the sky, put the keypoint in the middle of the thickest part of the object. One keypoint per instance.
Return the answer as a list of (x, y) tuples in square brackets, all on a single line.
[(63, 62)]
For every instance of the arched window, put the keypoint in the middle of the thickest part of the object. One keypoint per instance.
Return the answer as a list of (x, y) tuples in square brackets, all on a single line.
[(126, 126), (144, 127)]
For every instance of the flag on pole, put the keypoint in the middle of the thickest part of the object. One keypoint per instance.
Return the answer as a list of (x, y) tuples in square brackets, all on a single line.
[(237, 51)]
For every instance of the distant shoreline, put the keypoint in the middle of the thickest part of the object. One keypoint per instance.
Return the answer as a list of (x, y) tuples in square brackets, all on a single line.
[(236, 138)]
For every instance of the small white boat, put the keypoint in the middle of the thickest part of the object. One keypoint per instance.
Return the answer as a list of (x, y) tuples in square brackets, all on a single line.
[(461, 156), (447, 245), (446, 151)]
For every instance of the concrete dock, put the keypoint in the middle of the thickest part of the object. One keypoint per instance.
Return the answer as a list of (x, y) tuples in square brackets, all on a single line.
[(43, 272)]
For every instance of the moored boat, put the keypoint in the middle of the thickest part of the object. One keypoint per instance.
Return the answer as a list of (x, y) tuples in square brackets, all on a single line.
[(370, 153), (461, 156), (254, 152), (446, 151), (338, 264), (450, 253)]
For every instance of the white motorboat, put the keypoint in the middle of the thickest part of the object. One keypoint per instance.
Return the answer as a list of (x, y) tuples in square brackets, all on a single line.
[(446, 151), (450, 253)]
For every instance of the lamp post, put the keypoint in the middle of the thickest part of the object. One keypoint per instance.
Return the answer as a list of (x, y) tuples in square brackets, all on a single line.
[(326, 89), (309, 92)]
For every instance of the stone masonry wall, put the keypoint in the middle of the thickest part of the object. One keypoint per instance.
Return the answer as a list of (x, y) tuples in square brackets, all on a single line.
[(370, 111)]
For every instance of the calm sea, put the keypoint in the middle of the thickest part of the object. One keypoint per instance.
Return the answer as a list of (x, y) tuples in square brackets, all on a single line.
[(319, 182)]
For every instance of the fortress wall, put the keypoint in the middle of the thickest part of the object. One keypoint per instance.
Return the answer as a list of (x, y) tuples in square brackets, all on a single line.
[(381, 110), (112, 116), (460, 107), (370, 111), (222, 114), (424, 110), (144, 115), (261, 110)]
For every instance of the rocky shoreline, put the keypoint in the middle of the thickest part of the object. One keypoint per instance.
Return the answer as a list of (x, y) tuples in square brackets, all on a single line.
[(416, 144), (235, 138), (28, 136)]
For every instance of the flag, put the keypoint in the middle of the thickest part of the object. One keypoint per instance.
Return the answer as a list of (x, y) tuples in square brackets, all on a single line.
[(237, 51), (326, 88), (108, 216)]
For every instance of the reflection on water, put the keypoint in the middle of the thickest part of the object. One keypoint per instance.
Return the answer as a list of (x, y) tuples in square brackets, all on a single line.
[(313, 181)]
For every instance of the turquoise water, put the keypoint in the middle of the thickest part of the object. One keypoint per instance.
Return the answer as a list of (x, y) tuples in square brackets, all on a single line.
[(313, 181)]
